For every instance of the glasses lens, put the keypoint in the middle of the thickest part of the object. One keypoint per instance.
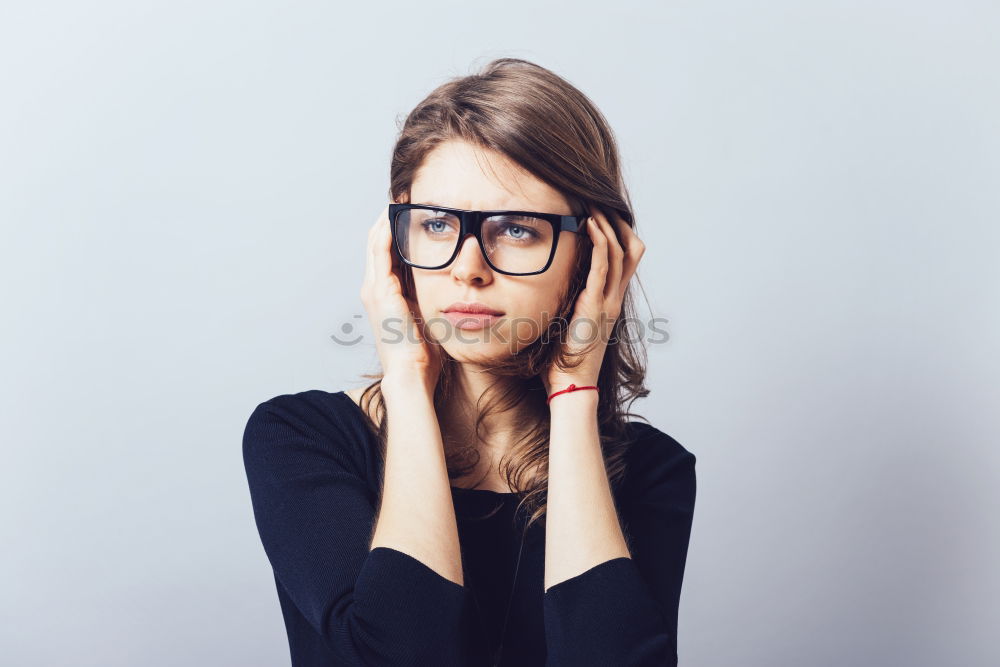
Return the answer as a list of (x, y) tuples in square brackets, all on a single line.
[(427, 238), (513, 243), (517, 243)]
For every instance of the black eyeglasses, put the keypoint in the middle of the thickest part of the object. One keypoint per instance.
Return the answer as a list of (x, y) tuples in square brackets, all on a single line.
[(515, 243)]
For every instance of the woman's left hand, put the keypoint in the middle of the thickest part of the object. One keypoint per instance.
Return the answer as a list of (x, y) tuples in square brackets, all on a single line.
[(599, 304)]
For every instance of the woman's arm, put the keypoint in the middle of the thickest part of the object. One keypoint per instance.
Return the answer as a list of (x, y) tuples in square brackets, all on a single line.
[(600, 606), (372, 604), (582, 527), (604, 605), (417, 513)]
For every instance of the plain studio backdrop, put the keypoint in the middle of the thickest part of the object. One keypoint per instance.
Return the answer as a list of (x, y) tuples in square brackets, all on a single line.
[(185, 194)]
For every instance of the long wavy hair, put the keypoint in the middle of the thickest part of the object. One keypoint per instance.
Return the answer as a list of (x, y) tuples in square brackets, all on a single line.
[(548, 127)]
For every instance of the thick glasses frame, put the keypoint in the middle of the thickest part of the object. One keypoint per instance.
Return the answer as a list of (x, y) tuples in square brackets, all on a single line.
[(472, 223)]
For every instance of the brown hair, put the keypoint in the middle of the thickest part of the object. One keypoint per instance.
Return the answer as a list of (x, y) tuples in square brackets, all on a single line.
[(549, 128)]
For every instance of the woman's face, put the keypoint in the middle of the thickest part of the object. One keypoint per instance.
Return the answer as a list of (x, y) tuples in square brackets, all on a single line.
[(453, 177)]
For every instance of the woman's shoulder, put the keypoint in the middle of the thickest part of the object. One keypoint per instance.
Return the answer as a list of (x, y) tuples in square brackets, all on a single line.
[(355, 394), (655, 457), (306, 423), (650, 440), (314, 406)]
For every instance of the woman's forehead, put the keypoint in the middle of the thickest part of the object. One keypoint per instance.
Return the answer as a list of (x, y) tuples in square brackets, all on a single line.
[(464, 177)]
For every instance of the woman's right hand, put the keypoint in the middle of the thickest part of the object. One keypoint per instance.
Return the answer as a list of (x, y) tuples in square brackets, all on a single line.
[(403, 349)]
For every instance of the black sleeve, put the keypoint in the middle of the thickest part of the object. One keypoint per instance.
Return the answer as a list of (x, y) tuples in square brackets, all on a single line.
[(315, 515), (624, 611)]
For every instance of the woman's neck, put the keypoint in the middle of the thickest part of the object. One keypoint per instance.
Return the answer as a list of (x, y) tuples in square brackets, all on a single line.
[(457, 418)]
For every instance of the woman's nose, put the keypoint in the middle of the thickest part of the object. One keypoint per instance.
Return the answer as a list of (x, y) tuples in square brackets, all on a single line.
[(470, 263)]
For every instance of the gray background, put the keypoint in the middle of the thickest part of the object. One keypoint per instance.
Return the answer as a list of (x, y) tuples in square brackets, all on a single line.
[(185, 192)]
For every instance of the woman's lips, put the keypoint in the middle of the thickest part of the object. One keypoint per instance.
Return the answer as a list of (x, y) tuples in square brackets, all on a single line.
[(463, 320)]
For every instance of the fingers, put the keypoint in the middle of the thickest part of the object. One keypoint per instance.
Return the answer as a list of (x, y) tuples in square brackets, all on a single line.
[(381, 248), (375, 254), (634, 249), (615, 257), (598, 263), (373, 230)]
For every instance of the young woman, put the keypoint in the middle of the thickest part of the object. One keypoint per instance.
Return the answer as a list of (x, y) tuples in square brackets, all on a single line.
[(485, 501)]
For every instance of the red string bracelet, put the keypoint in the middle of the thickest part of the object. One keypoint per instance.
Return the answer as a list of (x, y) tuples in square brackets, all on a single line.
[(572, 387)]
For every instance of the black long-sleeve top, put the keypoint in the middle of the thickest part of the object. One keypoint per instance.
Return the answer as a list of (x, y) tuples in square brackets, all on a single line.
[(312, 467)]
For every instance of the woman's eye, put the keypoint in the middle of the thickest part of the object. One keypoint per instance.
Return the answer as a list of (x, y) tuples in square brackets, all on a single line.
[(520, 233), (435, 225)]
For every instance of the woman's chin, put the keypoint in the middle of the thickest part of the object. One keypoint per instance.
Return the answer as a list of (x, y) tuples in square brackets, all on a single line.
[(477, 352), (482, 344)]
